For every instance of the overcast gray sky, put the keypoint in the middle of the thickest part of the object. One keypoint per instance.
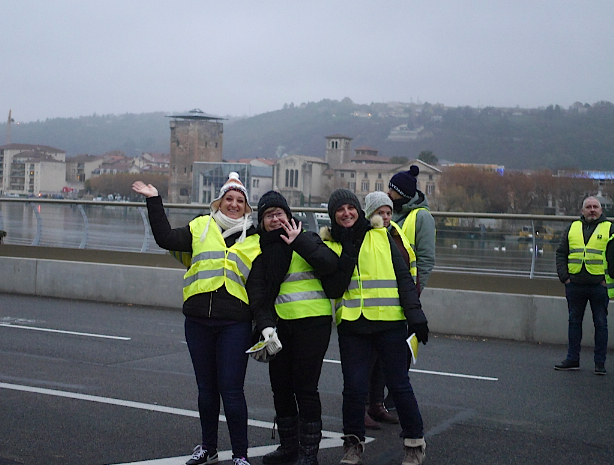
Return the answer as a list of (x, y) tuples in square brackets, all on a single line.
[(61, 58)]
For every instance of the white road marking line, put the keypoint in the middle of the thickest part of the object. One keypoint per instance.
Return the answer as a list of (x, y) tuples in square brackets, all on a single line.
[(439, 373), (329, 438), (121, 338), (456, 375)]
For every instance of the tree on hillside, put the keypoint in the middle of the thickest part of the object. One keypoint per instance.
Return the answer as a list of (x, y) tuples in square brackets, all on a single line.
[(427, 156), (399, 160)]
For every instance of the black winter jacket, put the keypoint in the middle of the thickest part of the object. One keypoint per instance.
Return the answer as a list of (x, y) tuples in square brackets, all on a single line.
[(562, 253), (217, 305), (311, 248)]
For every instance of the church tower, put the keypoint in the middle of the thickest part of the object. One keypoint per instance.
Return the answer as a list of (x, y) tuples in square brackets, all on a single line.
[(338, 150)]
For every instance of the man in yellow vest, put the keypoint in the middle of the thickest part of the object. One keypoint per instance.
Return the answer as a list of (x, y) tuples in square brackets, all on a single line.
[(411, 213), (584, 263)]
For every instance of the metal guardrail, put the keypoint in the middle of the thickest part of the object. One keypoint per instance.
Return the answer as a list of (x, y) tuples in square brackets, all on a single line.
[(470, 243)]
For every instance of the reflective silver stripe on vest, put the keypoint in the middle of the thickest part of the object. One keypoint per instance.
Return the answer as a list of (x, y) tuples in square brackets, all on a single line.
[(299, 276), (374, 302), (374, 284), (382, 302), (235, 277), (597, 251), (188, 280), (243, 268), (610, 285), (593, 262), (412, 264), (576, 251), (209, 255), (575, 260), (296, 296)]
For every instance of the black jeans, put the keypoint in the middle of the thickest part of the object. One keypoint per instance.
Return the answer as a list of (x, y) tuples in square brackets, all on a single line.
[(295, 370), (578, 295), (219, 360), (391, 347)]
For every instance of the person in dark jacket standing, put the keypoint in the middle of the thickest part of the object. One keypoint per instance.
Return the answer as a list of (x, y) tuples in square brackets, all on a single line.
[(376, 301), (584, 263), (218, 324), (285, 281)]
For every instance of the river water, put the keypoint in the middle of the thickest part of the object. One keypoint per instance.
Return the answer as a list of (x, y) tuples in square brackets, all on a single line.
[(123, 228)]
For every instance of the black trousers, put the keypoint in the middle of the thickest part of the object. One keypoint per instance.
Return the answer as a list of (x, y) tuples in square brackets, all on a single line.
[(295, 370)]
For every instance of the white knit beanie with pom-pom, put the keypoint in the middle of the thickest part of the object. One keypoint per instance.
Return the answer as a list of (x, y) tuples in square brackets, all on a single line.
[(233, 183)]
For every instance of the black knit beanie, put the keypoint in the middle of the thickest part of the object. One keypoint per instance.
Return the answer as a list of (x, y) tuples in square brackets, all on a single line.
[(405, 182), (270, 200), (340, 197)]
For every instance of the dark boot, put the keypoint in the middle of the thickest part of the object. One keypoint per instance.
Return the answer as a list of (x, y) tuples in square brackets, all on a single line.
[(310, 436), (287, 452)]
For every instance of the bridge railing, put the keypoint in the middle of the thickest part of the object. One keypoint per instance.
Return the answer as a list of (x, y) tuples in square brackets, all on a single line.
[(476, 243)]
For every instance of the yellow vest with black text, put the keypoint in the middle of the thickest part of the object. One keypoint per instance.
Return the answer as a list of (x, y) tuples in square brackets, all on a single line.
[(591, 254), (214, 265), (301, 294), (413, 268), (373, 290)]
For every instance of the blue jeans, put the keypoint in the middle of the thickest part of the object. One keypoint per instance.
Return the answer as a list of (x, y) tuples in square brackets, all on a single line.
[(577, 297), (219, 360), (391, 347)]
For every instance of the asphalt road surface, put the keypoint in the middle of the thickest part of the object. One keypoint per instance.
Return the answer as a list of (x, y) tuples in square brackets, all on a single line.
[(89, 383)]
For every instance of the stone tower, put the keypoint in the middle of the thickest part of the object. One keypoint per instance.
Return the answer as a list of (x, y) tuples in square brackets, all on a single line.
[(195, 136), (338, 150)]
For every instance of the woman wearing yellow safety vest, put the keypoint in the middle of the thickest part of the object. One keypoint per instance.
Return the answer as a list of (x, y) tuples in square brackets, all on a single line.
[(376, 302), (285, 281), (218, 324), (378, 209)]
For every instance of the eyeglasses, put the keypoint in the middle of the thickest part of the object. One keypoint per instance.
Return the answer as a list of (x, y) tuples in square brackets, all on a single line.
[(272, 216)]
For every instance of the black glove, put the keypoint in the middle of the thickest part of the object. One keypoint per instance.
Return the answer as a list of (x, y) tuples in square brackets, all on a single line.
[(346, 239), (421, 330)]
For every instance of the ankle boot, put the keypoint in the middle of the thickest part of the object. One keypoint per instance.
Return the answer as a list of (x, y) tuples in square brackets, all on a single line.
[(309, 444), (287, 452), (378, 412)]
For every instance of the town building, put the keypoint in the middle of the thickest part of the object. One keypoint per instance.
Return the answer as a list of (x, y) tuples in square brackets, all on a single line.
[(82, 167), (208, 179), (195, 137), (303, 180), (27, 169)]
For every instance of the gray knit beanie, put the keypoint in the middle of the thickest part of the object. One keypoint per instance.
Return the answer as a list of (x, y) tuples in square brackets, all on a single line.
[(375, 200), (340, 197)]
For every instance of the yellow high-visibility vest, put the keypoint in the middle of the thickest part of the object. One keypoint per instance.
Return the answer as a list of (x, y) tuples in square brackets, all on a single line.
[(214, 265), (301, 294), (409, 226), (373, 290), (591, 254), (413, 268)]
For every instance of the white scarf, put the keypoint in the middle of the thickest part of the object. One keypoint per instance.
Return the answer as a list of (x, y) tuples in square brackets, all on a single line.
[(228, 226)]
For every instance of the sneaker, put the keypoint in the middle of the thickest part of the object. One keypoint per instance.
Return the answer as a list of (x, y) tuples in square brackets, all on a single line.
[(240, 461), (201, 456), (353, 448), (415, 451), (600, 369), (567, 365)]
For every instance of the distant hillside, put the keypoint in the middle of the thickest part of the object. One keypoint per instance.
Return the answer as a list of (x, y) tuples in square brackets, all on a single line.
[(97, 134), (582, 137)]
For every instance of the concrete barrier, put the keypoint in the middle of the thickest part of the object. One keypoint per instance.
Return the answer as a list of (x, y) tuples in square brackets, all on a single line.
[(521, 317)]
